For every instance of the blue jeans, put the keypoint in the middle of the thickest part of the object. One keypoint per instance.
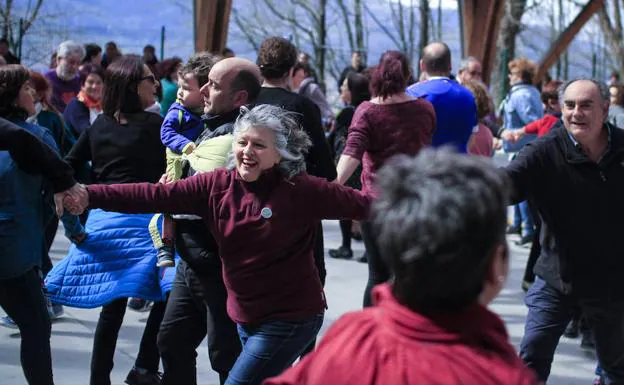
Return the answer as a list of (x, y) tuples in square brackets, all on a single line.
[(549, 313), (523, 218), (270, 348)]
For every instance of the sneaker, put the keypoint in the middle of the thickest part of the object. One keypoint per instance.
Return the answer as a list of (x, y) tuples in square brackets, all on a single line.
[(341, 253), (572, 330), (165, 257), (513, 230), (363, 258), (525, 240), (55, 311), (588, 342), (139, 304), (143, 377), (8, 322)]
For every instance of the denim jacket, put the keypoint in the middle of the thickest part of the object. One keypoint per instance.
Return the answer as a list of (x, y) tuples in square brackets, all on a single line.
[(21, 225), (521, 106)]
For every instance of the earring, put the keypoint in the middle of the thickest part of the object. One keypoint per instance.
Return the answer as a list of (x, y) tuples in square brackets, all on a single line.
[(501, 279)]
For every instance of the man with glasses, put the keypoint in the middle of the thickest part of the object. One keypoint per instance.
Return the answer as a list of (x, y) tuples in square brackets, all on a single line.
[(469, 69), (64, 78)]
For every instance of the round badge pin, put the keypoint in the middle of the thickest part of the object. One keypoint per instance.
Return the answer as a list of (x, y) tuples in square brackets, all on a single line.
[(266, 213)]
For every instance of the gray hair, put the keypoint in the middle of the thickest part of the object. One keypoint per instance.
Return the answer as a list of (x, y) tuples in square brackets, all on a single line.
[(602, 87), (70, 47), (437, 221), (465, 62), (291, 141)]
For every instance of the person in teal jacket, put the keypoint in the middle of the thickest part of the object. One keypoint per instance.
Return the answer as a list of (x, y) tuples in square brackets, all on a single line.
[(21, 225), (17, 80)]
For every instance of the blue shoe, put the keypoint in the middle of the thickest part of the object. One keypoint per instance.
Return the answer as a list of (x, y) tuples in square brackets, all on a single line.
[(8, 322)]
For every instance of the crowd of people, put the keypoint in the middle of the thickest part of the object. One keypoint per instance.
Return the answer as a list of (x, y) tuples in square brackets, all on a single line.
[(196, 190)]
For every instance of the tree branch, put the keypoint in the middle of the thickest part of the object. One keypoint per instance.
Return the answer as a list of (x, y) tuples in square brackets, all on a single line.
[(382, 26), (33, 16), (291, 20), (311, 12), (345, 16), (242, 26)]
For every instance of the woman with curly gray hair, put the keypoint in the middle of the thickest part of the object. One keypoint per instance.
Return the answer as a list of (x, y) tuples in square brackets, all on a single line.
[(263, 212)]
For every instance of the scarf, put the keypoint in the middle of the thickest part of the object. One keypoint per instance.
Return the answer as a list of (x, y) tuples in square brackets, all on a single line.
[(89, 101)]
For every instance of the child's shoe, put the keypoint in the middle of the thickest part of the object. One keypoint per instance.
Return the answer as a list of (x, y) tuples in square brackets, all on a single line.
[(165, 257)]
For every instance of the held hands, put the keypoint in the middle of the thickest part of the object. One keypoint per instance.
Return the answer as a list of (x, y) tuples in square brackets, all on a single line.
[(512, 136), (74, 199)]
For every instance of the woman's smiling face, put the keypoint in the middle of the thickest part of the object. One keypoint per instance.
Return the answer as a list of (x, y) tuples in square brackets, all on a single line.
[(255, 152)]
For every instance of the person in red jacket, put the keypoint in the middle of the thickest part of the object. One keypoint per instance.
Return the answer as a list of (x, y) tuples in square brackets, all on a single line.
[(440, 224)]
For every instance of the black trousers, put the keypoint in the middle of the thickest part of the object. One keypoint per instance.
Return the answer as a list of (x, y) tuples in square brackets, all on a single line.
[(196, 308), (105, 340), (378, 271), (22, 299), (536, 247)]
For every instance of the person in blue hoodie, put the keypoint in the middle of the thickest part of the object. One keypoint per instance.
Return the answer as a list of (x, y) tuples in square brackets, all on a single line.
[(181, 127)]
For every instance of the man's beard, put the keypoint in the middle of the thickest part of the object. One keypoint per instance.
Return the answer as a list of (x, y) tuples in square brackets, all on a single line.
[(64, 74)]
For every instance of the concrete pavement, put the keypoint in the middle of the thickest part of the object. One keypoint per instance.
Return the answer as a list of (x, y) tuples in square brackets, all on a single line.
[(72, 335)]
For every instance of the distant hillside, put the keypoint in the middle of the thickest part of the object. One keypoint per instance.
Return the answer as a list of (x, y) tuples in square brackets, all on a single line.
[(132, 24)]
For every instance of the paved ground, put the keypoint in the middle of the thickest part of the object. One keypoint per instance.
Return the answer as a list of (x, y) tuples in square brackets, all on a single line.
[(72, 336)]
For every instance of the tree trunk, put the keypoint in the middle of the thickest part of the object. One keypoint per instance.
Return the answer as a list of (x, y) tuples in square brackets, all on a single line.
[(506, 46), (359, 30), (321, 47), (613, 31), (424, 29)]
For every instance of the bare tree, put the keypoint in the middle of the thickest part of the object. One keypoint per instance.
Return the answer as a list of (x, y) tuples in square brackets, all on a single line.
[(613, 29), (14, 26), (423, 7), (506, 45), (402, 24)]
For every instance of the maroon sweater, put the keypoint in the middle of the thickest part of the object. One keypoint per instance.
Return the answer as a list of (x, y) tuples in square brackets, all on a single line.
[(389, 344), (265, 231), (380, 131)]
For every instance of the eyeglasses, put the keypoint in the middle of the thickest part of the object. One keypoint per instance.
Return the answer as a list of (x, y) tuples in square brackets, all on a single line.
[(151, 78)]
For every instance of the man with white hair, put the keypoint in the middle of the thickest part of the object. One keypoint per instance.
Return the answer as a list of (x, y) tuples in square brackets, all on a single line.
[(64, 78), (469, 69)]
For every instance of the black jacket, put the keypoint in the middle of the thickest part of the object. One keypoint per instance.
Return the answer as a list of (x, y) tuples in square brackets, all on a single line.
[(319, 161), (581, 204)]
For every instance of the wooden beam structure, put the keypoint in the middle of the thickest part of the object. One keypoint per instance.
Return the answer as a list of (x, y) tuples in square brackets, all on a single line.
[(566, 37), (481, 19), (211, 19)]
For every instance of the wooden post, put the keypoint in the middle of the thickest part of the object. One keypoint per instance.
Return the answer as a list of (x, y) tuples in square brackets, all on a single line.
[(481, 19), (211, 21), (566, 37)]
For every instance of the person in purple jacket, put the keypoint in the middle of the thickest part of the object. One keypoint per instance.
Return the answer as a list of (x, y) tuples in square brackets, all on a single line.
[(64, 78), (263, 211), (181, 127)]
